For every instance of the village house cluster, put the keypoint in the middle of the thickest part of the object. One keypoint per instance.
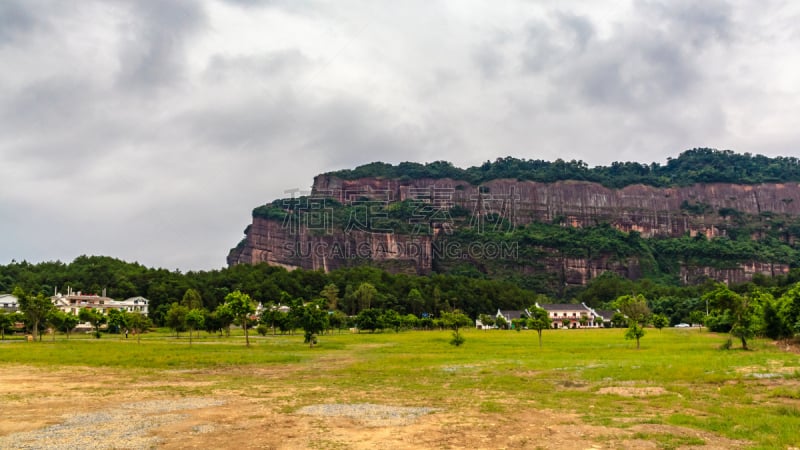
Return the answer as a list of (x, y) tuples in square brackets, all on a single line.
[(73, 302)]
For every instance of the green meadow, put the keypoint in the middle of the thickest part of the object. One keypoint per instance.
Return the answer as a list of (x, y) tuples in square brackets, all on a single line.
[(679, 377)]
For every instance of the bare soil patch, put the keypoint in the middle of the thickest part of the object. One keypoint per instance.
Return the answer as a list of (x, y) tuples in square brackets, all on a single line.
[(627, 391), (262, 413)]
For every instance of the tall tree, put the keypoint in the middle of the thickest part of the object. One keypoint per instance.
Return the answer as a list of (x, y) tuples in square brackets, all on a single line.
[(242, 306), (34, 307), (191, 299), (365, 294), (415, 301), (330, 293)]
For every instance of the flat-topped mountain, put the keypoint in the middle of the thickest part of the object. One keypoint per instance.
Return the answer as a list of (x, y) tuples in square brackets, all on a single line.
[(560, 223)]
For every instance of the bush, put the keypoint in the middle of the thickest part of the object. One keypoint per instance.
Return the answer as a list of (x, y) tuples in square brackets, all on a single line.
[(262, 329), (457, 340)]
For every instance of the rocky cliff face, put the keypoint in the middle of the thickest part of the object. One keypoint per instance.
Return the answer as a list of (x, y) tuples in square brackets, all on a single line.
[(703, 208), (650, 211), (272, 242)]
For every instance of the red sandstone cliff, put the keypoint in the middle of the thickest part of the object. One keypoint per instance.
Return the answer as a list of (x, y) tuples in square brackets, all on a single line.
[(648, 210)]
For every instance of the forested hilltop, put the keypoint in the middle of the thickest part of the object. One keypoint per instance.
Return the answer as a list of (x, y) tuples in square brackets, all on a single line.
[(699, 165)]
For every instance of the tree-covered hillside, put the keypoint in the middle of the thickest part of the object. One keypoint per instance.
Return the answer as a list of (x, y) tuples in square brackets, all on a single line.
[(700, 165)]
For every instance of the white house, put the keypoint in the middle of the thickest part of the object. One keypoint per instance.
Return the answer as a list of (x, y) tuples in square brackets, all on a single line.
[(9, 303), (571, 314), (73, 302)]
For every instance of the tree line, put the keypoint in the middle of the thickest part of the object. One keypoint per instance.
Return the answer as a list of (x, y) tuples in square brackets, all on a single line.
[(766, 306), (699, 165)]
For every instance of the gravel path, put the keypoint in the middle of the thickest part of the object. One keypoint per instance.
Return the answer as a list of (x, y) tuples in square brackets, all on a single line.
[(368, 414), (125, 427)]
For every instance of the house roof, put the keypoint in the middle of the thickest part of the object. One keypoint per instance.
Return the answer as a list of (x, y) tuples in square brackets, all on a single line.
[(605, 314), (511, 314), (564, 307)]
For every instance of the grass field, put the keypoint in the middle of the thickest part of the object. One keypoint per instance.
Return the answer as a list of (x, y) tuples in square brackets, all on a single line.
[(499, 390)]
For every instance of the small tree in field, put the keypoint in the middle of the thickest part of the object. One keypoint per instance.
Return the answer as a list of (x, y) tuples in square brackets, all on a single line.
[(660, 321), (242, 306), (138, 323), (697, 317), (501, 322), (176, 318), (224, 317), (618, 320), (93, 316), (638, 313), (741, 309), (455, 320), (62, 321), (635, 331), (116, 321), (368, 319), (538, 321), (195, 319), (313, 319), (486, 320), (68, 323)]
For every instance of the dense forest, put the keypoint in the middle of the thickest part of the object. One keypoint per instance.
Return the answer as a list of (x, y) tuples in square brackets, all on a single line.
[(421, 296), (700, 165)]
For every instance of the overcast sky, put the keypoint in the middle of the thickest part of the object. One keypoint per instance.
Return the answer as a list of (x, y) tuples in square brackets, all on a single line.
[(148, 130)]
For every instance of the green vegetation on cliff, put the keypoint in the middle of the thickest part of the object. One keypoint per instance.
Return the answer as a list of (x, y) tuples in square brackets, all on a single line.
[(700, 165)]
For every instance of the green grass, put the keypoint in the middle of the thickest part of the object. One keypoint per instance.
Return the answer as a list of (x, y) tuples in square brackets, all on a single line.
[(744, 395)]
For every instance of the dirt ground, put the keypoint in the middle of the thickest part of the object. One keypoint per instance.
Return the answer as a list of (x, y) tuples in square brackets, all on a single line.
[(35, 399)]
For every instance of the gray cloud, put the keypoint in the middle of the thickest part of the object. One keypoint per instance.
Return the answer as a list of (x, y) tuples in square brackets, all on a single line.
[(14, 20), (154, 41)]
